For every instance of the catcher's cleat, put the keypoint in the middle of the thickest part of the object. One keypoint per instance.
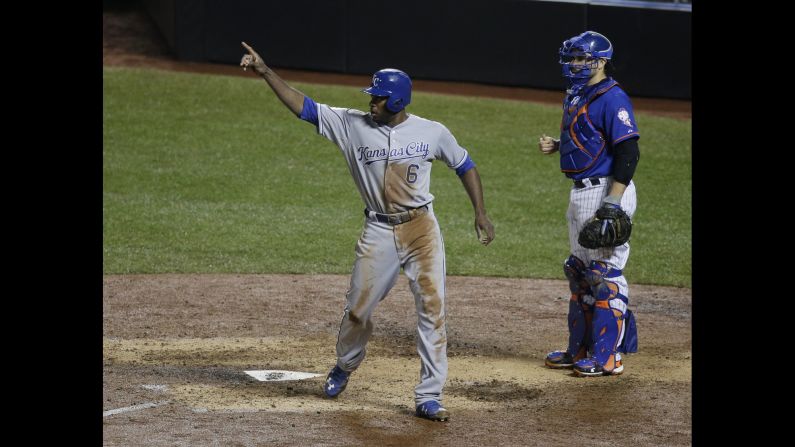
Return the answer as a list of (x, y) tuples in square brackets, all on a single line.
[(559, 360), (432, 410), (590, 367), (336, 381)]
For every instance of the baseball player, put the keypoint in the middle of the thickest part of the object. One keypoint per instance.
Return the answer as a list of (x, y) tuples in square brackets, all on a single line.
[(389, 153), (598, 148)]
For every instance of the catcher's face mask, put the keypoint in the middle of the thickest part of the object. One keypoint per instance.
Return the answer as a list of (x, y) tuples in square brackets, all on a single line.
[(579, 56)]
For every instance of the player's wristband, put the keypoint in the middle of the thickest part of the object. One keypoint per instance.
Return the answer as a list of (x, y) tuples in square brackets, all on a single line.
[(612, 200)]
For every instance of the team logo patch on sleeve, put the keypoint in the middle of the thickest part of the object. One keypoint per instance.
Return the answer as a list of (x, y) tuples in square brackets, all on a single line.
[(623, 115)]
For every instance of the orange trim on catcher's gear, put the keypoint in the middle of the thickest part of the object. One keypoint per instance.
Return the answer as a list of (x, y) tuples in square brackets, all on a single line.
[(612, 359), (584, 110), (603, 304)]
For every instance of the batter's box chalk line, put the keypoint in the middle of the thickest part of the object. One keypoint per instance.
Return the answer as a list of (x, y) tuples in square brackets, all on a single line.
[(156, 388), (134, 408), (275, 375)]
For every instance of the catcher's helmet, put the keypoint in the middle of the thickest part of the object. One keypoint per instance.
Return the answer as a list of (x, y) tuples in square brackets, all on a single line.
[(394, 84), (590, 44)]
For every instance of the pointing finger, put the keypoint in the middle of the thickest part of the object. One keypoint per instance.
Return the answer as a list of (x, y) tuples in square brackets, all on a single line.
[(250, 50)]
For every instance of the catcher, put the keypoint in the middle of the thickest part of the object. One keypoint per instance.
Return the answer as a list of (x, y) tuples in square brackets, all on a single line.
[(598, 148)]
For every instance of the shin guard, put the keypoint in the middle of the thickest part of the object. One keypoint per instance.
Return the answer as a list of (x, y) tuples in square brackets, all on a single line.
[(609, 314), (580, 320), (580, 309)]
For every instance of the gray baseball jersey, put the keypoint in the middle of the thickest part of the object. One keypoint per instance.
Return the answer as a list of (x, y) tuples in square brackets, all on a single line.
[(391, 166)]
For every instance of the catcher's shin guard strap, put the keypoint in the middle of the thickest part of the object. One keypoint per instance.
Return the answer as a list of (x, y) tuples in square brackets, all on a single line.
[(580, 316)]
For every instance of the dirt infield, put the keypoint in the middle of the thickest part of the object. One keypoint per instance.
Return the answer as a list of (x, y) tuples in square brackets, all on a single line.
[(175, 347), (184, 341)]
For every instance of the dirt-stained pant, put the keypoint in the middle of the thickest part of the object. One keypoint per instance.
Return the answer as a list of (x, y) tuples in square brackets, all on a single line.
[(382, 250)]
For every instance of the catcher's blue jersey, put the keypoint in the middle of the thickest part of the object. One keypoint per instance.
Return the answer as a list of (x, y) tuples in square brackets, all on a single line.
[(594, 121)]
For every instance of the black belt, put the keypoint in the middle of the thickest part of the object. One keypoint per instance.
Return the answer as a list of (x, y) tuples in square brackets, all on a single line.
[(397, 218), (579, 184)]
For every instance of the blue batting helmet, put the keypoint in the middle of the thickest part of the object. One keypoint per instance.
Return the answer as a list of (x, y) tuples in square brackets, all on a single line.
[(590, 44), (394, 84)]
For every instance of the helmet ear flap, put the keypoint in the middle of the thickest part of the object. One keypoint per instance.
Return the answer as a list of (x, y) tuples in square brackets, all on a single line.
[(394, 105)]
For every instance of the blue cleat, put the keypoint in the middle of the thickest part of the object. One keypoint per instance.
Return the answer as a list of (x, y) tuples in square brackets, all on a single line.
[(336, 381), (589, 367), (432, 410), (559, 359)]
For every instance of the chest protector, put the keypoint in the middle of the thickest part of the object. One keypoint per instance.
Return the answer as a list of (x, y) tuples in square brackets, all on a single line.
[(581, 144)]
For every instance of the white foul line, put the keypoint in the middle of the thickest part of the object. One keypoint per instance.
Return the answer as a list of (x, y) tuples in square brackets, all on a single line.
[(133, 408)]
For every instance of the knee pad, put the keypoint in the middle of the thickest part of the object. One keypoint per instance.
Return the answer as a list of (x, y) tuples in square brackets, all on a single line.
[(597, 271), (605, 290), (574, 269)]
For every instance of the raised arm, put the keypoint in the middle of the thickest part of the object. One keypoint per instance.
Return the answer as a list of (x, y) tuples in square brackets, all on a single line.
[(292, 98)]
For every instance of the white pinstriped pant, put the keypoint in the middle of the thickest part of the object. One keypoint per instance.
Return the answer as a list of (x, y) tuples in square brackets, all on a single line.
[(583, 203)]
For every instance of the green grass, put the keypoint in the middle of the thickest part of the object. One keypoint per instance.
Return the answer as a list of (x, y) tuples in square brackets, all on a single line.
[(213, 174)]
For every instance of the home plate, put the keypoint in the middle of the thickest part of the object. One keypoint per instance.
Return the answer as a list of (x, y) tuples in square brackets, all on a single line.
[(272, 375)]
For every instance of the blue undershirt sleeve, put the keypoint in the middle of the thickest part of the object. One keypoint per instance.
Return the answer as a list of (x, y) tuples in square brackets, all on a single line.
[(466, 166), (309, 112)]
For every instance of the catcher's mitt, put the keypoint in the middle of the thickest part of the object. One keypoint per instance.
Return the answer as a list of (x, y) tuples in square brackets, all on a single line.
[(610, 227)]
